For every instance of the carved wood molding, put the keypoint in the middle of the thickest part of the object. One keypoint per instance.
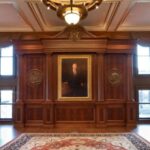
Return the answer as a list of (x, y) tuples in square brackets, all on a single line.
[(114, 77), (34, 77)]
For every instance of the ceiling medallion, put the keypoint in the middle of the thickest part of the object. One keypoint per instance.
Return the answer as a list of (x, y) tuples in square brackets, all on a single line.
[(72, 11)]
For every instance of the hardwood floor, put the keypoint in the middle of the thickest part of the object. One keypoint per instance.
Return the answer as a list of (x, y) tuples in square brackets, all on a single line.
[(9, 132), (143, 131)]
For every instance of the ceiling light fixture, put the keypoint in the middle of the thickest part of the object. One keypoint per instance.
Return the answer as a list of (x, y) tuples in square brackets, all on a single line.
[(72, 11)]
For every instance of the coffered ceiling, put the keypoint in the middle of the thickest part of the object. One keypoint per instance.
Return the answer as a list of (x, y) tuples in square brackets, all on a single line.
[(112, 16)]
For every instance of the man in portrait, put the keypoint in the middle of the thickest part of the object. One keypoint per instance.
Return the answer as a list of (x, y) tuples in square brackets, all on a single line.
[(74, 78)]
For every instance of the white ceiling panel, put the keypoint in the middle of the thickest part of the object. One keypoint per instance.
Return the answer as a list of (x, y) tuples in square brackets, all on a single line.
[(98, 16), (10, 19), (138, 18)]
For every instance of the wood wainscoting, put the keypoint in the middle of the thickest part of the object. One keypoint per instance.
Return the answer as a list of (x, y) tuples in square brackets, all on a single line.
[(111, 103)]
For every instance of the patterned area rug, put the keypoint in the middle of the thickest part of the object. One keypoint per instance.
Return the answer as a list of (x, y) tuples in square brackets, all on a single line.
[(77, 141)]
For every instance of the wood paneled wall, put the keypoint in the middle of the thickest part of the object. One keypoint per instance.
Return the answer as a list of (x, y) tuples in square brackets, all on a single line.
[(34, 91), (112, 100), (118, 62)]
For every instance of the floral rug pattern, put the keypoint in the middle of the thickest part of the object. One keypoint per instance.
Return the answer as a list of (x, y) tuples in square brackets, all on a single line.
[(77, 141)]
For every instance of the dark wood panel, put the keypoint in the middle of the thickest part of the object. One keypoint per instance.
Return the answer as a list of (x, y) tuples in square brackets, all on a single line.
[(100, 78), (54, 69), (131, 113), (49, 78), (34, 112), (35, 77), (120, 46), (74, 113), (115, 113), (18, 114), (48, 113), (101, 114), (115, 63)]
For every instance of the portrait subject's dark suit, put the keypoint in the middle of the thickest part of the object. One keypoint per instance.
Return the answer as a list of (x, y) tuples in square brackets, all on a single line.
[(77, 84)]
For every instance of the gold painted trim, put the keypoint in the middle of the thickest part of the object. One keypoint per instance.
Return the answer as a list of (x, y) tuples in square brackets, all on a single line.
[(89, 78)]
